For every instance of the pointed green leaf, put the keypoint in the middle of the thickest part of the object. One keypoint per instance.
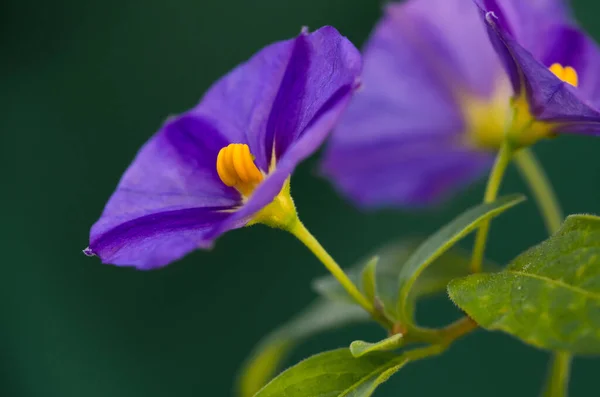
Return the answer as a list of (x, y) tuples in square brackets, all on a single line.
[(392, 257), (262, 366), (440, 242), (369, 284), (368, 385), (359, 348), (334, 373), (548, 296), (269, 354), (452, 264)]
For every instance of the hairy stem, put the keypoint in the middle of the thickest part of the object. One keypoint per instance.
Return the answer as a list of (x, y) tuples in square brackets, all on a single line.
[(302, 234), (457, 329), (539, 184), (557, 381), (557, 384), (443, 336)]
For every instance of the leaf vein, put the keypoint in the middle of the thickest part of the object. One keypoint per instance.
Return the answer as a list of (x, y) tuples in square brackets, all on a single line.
[(558, 283)]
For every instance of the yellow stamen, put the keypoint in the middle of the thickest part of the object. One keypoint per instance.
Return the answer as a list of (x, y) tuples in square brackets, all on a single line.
[(236, 168), (566, 74)]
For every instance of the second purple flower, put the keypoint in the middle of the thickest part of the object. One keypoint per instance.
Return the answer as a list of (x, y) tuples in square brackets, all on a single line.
[(437, 100)]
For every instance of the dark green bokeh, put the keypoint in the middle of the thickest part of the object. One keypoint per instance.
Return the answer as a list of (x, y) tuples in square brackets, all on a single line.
[(83, 85)]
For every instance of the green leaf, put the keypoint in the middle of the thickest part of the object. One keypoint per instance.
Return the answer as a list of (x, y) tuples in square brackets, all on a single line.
[(548, 296), (269, 354), (368, 386), (262, 366), (439, 243), (369, 284), (334, 373), (452, 264), (359, 348), (392, 257)]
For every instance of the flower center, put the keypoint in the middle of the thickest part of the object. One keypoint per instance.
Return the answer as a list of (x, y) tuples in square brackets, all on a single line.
[(490, 120), (565, 73), (236, 168)]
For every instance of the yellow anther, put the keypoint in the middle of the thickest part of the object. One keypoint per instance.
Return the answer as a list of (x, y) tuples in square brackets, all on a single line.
[(223, 170), (566, 74), (236, 168), (571, 76)]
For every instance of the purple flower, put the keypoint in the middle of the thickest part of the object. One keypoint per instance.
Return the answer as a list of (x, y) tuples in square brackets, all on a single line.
[(553, 68), (435, 101), (226, 163)]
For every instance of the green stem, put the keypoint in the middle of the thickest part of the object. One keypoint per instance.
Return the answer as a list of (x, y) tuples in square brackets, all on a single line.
[(558, 379), (424, 352), (491, 192), (539, 184), (457, 329), (530, 168), (299, 230), (465, 325), (442, 336)]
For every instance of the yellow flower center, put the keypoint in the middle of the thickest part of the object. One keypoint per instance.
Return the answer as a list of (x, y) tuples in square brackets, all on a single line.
[(487, 118), (490, 119), (565, 73), (236, 168)]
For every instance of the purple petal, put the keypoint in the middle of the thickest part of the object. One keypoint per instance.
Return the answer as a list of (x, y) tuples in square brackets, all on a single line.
[(321, 75), (550, 99), (270, 99), (173, 178), (171, 200), (282, 122), (448, 39), (310, 139), (154, 240), (569, 46), (322, 65), (412, 172), (527, 20), (400, 91), (239, 104), (491, 21), (402, 139)]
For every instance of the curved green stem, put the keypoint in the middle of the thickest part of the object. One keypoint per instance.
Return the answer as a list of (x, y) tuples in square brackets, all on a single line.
[(545, 197), (442, 336), (530, 168), (491, 192), (465, 325), (558, 379), (301, 232)]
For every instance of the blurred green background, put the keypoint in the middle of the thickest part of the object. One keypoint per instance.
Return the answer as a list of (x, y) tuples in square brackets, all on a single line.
[(82, 85)]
